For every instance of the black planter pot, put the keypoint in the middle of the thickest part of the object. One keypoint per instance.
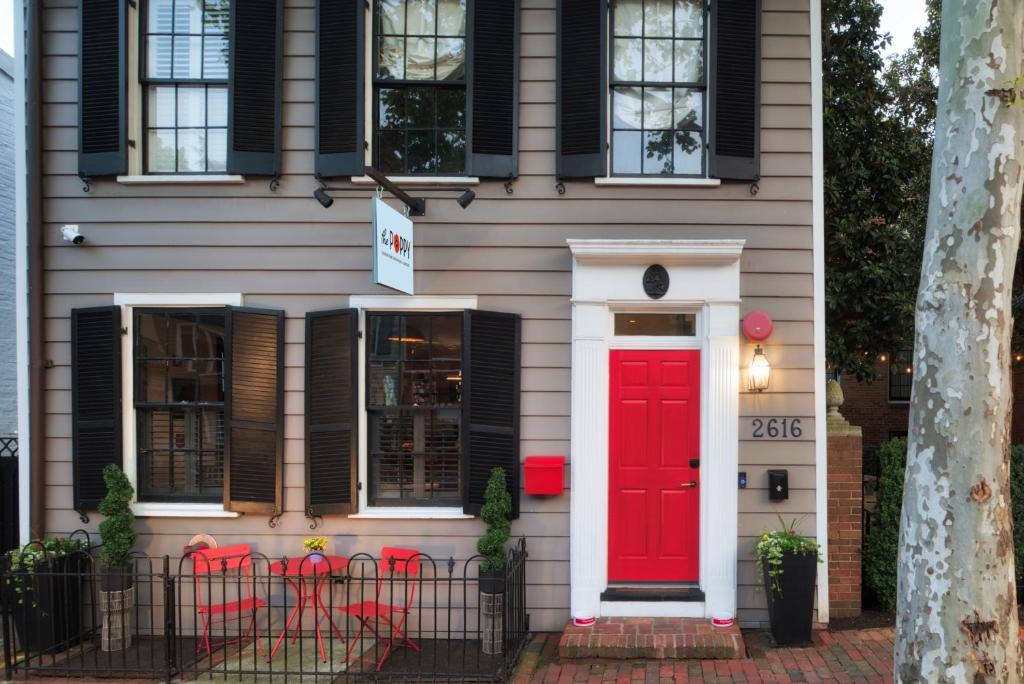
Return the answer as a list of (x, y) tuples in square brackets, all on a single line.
[(117, 579), (48, 618), (492, 581), (791, 605)]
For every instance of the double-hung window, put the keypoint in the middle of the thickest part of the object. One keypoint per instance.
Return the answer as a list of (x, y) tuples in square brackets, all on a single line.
[(901, 376), (185, 83), (179, 404), (658, 87), (413, 402), (420, 87)]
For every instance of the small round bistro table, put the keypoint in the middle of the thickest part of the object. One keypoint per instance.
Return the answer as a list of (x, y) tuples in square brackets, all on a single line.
[(298, 572)]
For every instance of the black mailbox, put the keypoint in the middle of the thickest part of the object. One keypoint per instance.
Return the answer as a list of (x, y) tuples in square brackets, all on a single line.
[(778, 485)]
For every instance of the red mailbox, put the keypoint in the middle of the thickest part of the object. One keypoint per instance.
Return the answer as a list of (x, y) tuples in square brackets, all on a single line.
[(544, 475)]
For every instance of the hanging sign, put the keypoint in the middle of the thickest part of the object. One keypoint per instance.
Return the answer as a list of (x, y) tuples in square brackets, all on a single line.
[(392, 248)]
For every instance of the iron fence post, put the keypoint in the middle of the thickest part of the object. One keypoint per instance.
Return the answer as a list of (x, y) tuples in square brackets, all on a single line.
[(170, 643)]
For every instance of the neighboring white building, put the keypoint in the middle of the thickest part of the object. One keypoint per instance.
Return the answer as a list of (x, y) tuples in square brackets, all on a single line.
[(8, 380)]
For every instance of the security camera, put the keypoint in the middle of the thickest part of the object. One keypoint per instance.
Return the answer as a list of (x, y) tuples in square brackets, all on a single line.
[(70, 234)]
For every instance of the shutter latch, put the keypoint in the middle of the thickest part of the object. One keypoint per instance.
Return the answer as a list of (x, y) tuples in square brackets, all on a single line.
[(124, 330)]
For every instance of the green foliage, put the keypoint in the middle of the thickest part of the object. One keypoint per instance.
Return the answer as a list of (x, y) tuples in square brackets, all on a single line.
[(1017, 510), (116, 528), (495, 513), (878, 136), (26, 560), (775, 544), (882, 545)]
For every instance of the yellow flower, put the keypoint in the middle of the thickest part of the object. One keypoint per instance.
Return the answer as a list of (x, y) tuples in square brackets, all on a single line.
[(764, 537)]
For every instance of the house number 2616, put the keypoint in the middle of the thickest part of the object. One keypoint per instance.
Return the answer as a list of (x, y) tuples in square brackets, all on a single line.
[(777, 428)]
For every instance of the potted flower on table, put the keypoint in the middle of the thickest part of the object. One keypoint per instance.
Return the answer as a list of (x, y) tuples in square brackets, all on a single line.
[(314, 548), (789, 568)]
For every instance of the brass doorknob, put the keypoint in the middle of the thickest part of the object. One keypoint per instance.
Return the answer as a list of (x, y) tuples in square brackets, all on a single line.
[(688, 485)]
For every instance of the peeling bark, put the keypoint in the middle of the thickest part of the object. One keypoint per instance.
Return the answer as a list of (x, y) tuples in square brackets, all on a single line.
[(957, 618)]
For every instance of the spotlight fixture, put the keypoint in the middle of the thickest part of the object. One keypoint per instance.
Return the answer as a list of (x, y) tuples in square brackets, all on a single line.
[(323, 198), (70, 234), (466, 198)]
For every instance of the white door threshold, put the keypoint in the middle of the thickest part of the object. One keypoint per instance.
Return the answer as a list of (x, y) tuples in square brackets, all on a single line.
[(683, 609)]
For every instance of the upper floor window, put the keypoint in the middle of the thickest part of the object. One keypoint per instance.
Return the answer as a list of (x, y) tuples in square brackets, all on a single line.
[(420, 87), (185, 86), (659, 86), (901, 375)]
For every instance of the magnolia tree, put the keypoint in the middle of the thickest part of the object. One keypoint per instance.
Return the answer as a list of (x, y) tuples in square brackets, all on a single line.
[(957, 618)]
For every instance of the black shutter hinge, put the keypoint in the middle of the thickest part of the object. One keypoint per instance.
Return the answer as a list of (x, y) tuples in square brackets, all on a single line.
[(133, 4), (315, 520), (359, 334), (359, 486), (131, 143), (124, 330), (86, 183)]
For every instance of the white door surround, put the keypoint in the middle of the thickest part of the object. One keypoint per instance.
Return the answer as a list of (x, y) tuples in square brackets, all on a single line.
[(704, 277)]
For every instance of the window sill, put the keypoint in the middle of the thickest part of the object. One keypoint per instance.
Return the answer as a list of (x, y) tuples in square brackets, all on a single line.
[(150, 509), (655, 181), (182, 179), (420, 180), (411, 513)]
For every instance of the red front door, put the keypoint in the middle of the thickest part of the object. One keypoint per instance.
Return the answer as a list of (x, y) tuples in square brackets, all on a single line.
[(654, 452)]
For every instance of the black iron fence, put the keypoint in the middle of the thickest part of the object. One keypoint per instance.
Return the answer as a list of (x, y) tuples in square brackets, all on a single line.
[(236, 615), (9, 533)]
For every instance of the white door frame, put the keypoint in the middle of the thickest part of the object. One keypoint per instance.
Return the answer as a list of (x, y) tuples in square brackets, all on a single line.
[(704, 277)]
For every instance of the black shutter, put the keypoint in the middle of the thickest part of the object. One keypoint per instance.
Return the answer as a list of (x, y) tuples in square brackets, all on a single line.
[(331, 411), (254, 407), (493, 78), (95, 400), (582, 89), (102, 83), (490, 404), (340, 67), (735, 144), (254, 87)]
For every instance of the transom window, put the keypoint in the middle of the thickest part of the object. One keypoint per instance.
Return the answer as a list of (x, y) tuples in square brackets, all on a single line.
[(658, 87), (420, 87), (413, 397), (185, 81), (901, 375), (179, 404)]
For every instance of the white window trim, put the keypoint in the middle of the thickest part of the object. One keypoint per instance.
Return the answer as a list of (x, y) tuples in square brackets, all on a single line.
[(669, 181), (399, 303), (420, 180), (128, 301), (182, 179)]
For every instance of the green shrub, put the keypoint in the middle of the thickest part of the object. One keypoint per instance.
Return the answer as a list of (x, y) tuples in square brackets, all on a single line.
[(496, 509), (1017, 500), (116, 528), (881, 547)]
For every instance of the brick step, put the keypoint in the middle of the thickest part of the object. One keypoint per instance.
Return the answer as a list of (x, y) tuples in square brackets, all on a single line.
[(638, 638)]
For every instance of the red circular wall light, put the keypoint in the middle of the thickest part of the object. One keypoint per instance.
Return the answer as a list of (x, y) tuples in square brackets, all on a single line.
[(757, 326)]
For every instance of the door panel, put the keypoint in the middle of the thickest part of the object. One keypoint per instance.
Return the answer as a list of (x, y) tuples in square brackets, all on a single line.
[(654, 432)]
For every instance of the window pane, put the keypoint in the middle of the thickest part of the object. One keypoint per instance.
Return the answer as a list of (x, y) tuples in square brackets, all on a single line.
[(688, 157), (152, 381), (191, 106), (216, 19), (217, 105), (419, 59), (446, 337), (217, 150), (415, 337), (689, 61), (420, 108), (391, 152), (215, 57), (188, 58), (392, 17), (689, 106), (689, 18), (451, 17), (658, 60), (420, 17), (658, 18), (191, 150), (391, 107), (160, 16), (158, 57), (421, 151), (629, 17), (188, 16), (160, 108), (626, 152), (657, 108), (626, 105), (628, 59), (451, 59), (451, 152), (391, 58), (679, 325), (658, 152), (451, 108), (160, 146)]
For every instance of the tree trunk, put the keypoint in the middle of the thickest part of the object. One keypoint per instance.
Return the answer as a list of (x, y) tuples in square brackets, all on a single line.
[(957, 618)]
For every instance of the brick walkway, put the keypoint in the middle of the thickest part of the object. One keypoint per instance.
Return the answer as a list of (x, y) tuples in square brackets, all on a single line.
[(854, 656)]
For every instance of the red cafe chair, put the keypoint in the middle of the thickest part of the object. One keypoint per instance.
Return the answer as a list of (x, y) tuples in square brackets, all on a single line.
[(226, 565)]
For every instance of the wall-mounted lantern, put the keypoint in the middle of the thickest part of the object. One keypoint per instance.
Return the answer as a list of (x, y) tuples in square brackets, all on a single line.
[(757, 326)]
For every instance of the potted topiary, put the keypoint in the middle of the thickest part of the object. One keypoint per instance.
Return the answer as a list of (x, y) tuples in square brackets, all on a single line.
[(118, 592), (789, 568), (491, 545)]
